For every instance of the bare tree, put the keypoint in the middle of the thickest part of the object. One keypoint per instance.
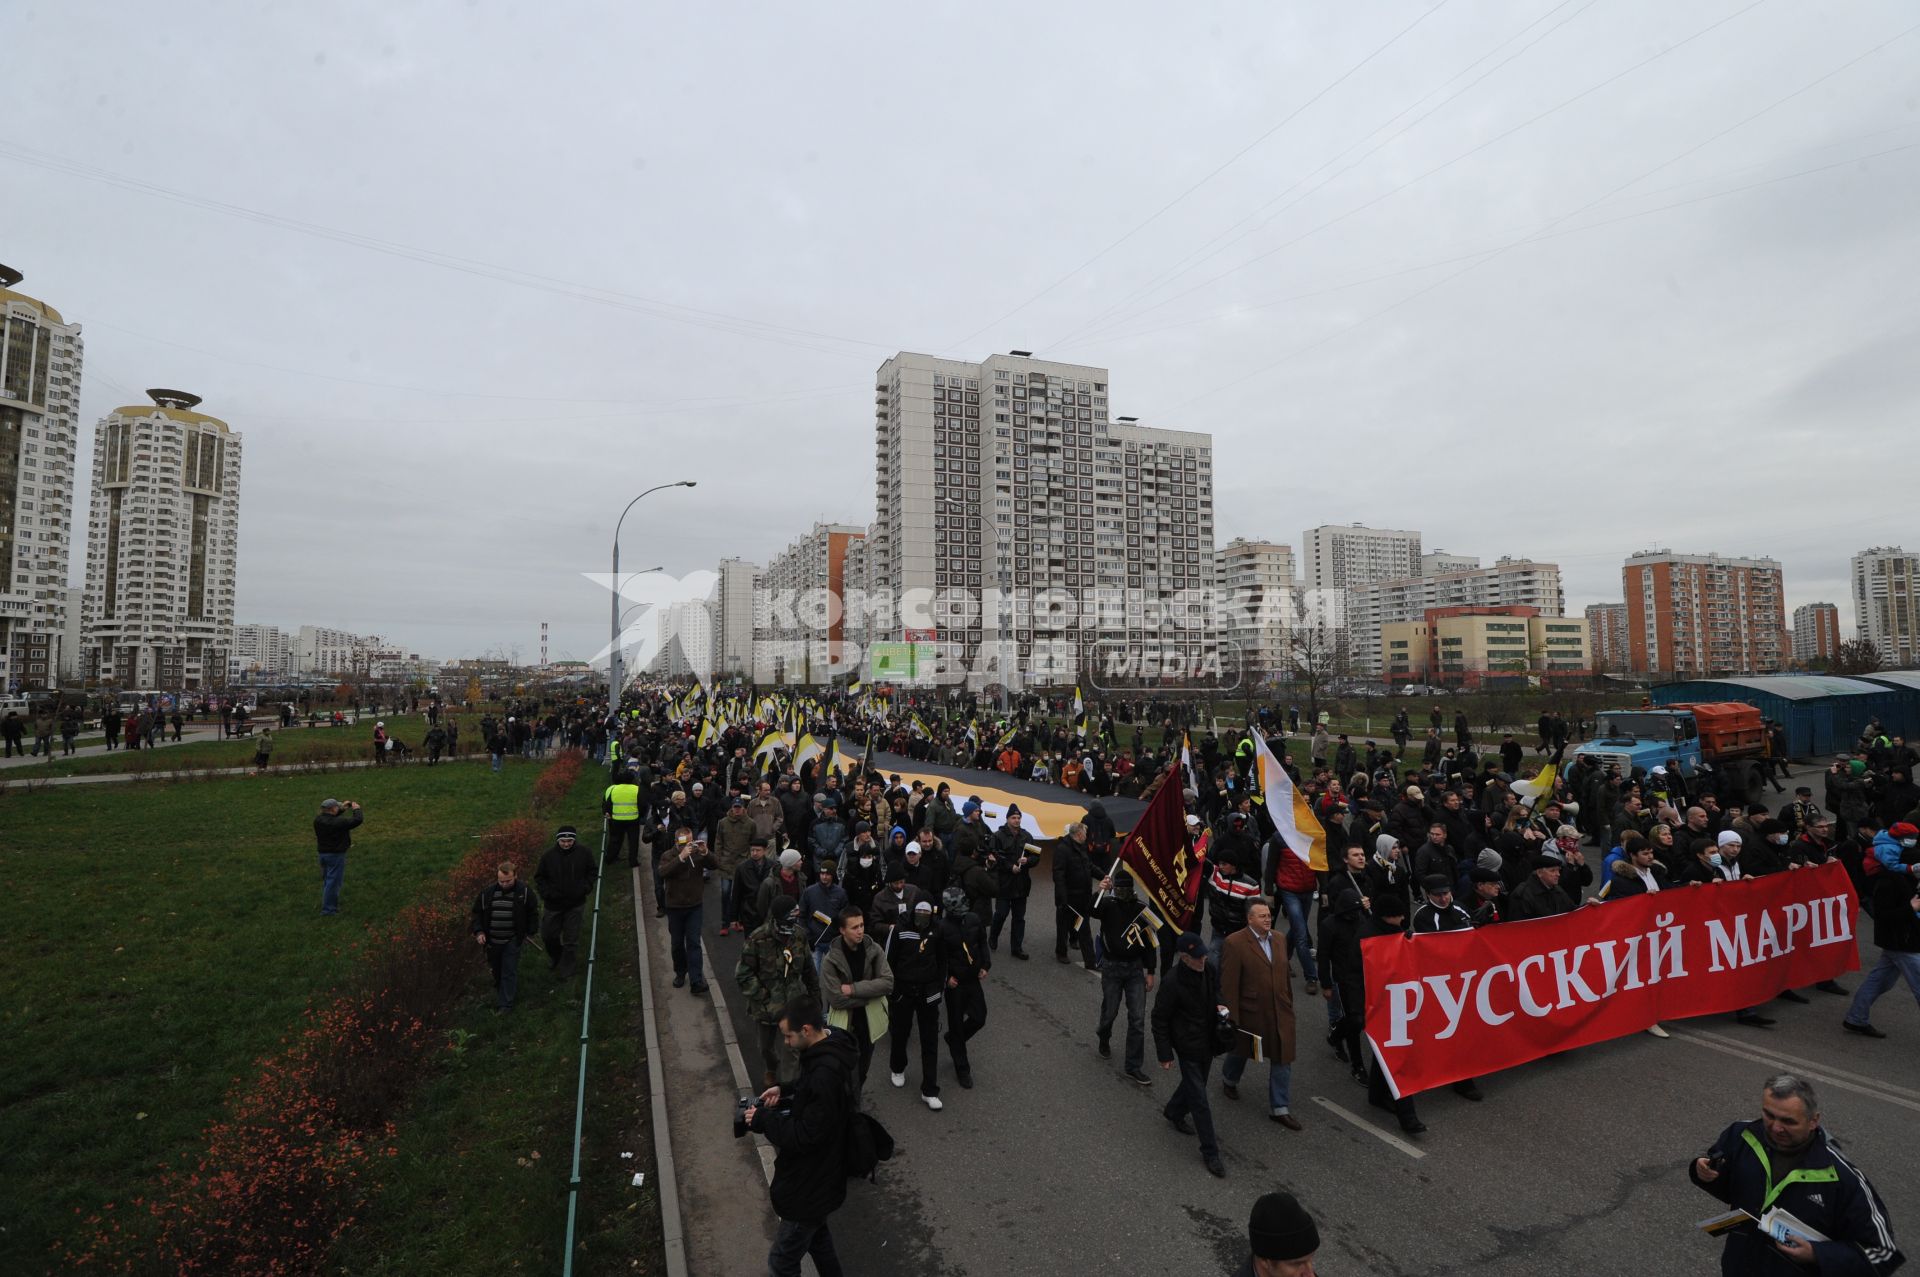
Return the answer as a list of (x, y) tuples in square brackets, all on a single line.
[(1316, 642), (1857, 657)]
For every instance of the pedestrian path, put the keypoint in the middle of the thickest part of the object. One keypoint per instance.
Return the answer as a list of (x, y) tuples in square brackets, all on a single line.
[(206, 773)]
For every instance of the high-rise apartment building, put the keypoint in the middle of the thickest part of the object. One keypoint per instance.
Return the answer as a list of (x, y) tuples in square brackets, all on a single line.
[(686, 640), (1704, 615), (162, 541), (1607, 628), (1346, 556), (1816, 633), (1434, 562), (1508, 583), (1009, 478), (1886, 612), (320, 649), (856, 582), (801, 638), (259, 651), (40, 355), (1256, 583), (733, 612)]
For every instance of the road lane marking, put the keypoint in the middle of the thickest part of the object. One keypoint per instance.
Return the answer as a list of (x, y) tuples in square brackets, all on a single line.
[(1863, 1080), (1356, 1120), (1818, 1072)]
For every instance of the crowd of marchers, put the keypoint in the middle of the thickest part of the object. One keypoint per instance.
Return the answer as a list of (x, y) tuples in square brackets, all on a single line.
[(871, 911)]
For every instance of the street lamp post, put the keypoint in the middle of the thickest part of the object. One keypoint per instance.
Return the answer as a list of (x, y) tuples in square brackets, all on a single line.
[(613, 638)]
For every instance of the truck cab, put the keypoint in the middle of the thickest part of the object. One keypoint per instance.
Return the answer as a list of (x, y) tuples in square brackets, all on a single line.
[(1727, 736), (1643, 739)]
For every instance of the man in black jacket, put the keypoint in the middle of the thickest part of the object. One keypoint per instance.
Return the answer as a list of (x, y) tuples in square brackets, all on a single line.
[(1541, 895), (919, 979), (1011, 865), (1435, 857), (564, 879), (963, 946), (806, 1123), (1073, 874), (1129, 937), (502, 918), (333, 831), (1184, 1013)]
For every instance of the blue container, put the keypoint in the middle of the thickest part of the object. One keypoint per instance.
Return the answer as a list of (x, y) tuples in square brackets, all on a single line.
[(1823, 714)]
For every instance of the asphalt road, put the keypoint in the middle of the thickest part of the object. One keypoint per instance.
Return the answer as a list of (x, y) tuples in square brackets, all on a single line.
[(1576, 1165)]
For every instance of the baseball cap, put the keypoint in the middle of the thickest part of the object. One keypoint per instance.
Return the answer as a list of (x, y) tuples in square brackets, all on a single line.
[(1191, 944)]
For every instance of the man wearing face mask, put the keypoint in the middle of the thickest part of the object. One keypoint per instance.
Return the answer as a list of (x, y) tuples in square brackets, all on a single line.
[(863, 873), (775, 968)]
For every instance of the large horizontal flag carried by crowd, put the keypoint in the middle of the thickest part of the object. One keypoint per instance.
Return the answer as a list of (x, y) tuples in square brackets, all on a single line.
[(1450, 1005)]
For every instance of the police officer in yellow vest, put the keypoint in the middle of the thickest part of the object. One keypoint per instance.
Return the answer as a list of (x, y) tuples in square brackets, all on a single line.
[(1243, 754), (621, 804)]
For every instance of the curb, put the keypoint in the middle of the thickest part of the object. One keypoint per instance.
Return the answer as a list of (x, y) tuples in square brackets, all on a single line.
[(673, 1236), (742, 1081)]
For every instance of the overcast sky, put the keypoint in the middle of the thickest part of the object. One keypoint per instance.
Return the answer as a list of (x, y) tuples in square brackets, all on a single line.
[(1554, 280)]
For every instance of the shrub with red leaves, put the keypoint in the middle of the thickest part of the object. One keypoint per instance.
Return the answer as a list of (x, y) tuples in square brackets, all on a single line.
[(557, 781), (290, 1166)]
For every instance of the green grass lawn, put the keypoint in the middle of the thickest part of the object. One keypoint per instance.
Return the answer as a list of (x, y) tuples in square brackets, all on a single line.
[(352, 743), (486, 1148), (168, 935)]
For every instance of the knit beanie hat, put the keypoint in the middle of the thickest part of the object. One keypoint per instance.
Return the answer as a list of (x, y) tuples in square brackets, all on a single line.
[(1280, 1228)]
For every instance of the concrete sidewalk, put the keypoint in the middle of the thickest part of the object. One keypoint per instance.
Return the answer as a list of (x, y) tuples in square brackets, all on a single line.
[(721, 1182), (208, 773)]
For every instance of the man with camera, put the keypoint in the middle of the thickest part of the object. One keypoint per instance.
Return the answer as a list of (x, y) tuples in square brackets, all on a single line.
[(806, 1122)]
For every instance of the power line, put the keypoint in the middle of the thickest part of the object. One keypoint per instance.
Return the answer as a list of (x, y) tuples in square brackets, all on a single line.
[(432, 390), (1229, 162), (1549, 230), (1449, 163), (673, 312), (1202, 254)]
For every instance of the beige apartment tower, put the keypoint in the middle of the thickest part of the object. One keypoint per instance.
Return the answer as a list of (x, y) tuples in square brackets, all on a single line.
[(40, 357), (162, 541)]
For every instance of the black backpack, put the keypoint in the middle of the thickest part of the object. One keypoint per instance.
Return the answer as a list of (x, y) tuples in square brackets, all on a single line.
[(868, 1143)]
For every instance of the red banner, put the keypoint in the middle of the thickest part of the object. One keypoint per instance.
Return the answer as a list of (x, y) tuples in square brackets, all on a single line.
[(1156, 854), (1457, 1004)]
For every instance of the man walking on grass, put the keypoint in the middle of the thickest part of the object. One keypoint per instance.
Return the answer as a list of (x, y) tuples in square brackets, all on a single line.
[(333, 830), (503, 918), (564, 879)]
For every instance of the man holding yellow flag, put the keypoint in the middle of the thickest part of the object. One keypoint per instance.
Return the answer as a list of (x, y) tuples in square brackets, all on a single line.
[(1300, 847)]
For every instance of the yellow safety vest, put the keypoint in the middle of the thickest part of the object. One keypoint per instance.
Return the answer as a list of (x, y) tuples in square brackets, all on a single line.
[(625, 800)]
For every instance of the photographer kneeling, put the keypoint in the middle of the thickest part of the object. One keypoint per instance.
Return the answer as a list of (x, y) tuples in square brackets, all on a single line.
[(806, 1122)]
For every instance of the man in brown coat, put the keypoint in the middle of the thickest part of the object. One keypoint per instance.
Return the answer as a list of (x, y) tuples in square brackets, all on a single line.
[(1256, 984)]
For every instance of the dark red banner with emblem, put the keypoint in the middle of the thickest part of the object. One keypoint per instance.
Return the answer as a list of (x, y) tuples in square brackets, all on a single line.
[(1446, 1006), (1156, 854)]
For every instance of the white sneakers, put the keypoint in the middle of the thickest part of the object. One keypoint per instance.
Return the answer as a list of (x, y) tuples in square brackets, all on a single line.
[(933, 1101), (1658, 1032)]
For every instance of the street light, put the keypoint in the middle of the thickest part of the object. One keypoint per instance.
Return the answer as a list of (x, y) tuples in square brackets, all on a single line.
[(613, 637)]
